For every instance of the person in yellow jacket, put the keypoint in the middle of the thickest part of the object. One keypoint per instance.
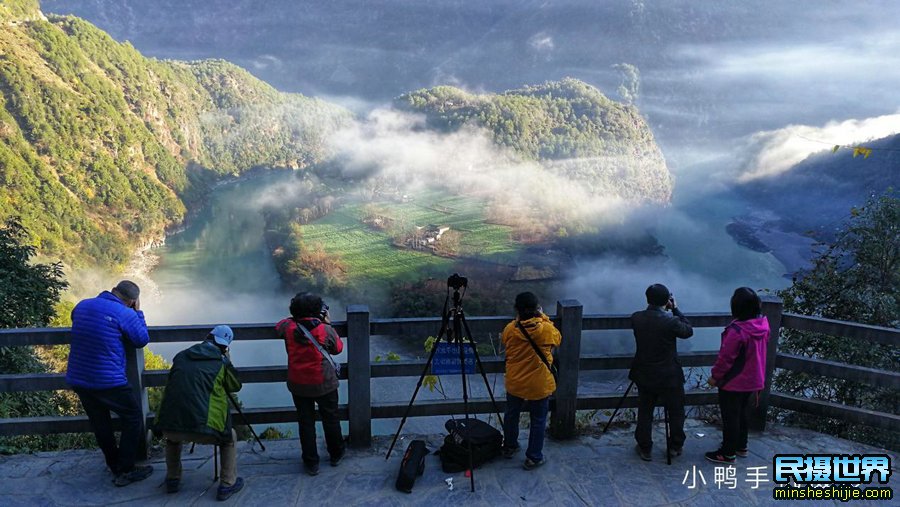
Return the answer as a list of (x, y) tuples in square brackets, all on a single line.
[(529, 382)]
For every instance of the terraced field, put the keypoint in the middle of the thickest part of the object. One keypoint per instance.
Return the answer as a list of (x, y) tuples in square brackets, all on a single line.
[(371, 257)]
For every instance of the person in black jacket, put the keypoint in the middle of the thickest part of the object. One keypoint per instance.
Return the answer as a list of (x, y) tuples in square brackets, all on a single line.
[(656, 370)]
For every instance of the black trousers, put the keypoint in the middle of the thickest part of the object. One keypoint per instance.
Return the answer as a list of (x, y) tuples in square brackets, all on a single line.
[(670, 397), (98, 403), (733, 405), (306, 417)]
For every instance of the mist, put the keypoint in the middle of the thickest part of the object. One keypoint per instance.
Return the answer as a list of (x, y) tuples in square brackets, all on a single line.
[(777, 151), (397, 147)]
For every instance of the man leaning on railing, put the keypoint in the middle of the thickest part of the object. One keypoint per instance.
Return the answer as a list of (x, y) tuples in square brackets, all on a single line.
[(96, 372)]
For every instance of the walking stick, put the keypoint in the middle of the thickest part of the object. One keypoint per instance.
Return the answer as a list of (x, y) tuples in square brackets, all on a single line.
[(616, 411)]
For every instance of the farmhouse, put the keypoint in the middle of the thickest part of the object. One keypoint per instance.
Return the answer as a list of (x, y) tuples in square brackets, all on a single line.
[(427, 236)]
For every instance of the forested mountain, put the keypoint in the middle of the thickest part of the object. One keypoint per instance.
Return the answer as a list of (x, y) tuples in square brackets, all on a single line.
[(569, 125), (101, 148)]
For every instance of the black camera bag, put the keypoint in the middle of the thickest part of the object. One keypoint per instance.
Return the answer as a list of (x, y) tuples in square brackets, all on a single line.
[(412, 466), (486, 443)]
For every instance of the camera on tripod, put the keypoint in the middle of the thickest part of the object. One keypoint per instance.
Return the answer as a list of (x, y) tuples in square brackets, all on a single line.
[(457, 282)]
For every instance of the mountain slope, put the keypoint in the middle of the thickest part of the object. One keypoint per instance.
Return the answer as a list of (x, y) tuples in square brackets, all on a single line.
[(101, 148), (818, 193), (568, 125)]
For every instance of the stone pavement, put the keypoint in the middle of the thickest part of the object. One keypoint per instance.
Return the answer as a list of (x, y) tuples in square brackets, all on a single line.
[(593, 469)]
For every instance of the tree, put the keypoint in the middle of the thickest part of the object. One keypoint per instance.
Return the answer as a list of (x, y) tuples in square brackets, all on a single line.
[(856, 278), (28, 293)]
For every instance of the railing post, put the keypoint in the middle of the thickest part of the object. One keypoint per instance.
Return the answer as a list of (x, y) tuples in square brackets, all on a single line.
[(562, 422), (134, 371), (359, 374), (771, 308)]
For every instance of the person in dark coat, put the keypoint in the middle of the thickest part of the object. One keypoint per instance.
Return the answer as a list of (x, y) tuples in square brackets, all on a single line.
[(312, 378), (656, 370), (102, 327), (195, 408)]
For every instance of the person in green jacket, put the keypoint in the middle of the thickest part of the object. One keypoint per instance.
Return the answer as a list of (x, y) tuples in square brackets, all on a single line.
[(195, 408)]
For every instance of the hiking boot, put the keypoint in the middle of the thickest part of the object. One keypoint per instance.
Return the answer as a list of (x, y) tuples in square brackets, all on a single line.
[(674, 452), (173, 485), (720, 457), (311, 469), (531, 464), (742, 453), (225, 492), (137, 474), (509, 452), (643, 453), (336, 460)]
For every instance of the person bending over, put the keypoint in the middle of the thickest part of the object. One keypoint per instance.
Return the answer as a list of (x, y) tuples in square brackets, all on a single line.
[(102, 328), (195, 408)]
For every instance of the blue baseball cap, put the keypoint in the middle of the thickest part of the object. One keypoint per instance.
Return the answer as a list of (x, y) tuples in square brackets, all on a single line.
[(222, 335)]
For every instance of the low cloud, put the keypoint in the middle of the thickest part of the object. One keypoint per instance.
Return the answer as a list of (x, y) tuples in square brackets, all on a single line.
[(541, 42), (399, 147), (264, 62), (776, 151)]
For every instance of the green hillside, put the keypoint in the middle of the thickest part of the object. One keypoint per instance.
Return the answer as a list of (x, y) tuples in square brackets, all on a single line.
[(102, 148), (569, 125)]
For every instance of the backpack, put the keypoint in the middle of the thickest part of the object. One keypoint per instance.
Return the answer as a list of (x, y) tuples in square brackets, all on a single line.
[(412, 466), (486, 442)]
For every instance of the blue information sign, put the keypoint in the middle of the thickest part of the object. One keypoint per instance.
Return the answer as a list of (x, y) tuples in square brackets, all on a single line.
[(446, 359)]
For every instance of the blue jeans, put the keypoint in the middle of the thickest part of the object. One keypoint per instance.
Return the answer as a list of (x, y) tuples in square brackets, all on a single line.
[(538, 410)]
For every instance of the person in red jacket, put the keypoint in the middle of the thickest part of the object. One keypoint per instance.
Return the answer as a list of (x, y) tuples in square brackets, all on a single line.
[(313, 376), (739, 371)]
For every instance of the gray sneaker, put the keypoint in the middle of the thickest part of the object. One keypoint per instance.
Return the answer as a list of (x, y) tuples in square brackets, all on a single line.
[(225, 492), (531, 464), (509, 452), (644, 454), (138, 474)]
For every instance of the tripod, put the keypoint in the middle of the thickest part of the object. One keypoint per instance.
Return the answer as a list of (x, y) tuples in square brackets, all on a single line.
[(453, 335), (241, 413), (665, 417)]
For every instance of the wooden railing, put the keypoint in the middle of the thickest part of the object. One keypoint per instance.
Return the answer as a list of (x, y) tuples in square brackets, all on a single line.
[(358, 371)]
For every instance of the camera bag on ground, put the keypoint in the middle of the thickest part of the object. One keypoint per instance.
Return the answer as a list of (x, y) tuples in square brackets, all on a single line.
[(486, 442), (412, 466)]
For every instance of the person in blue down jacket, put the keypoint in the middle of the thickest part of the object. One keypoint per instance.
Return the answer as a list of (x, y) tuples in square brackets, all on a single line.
[(101, 328)]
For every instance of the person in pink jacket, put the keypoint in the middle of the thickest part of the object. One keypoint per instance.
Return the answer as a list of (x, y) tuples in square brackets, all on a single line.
[(739, 371)]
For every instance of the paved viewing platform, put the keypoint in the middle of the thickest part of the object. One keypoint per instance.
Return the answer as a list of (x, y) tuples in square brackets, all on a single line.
[(591, 469)]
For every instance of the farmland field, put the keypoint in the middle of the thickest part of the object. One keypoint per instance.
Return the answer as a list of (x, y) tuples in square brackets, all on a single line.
[(370, 256)]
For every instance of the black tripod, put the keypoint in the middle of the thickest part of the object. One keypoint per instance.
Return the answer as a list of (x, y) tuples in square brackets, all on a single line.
[(244, 418), (665, 416), (452, 335)]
